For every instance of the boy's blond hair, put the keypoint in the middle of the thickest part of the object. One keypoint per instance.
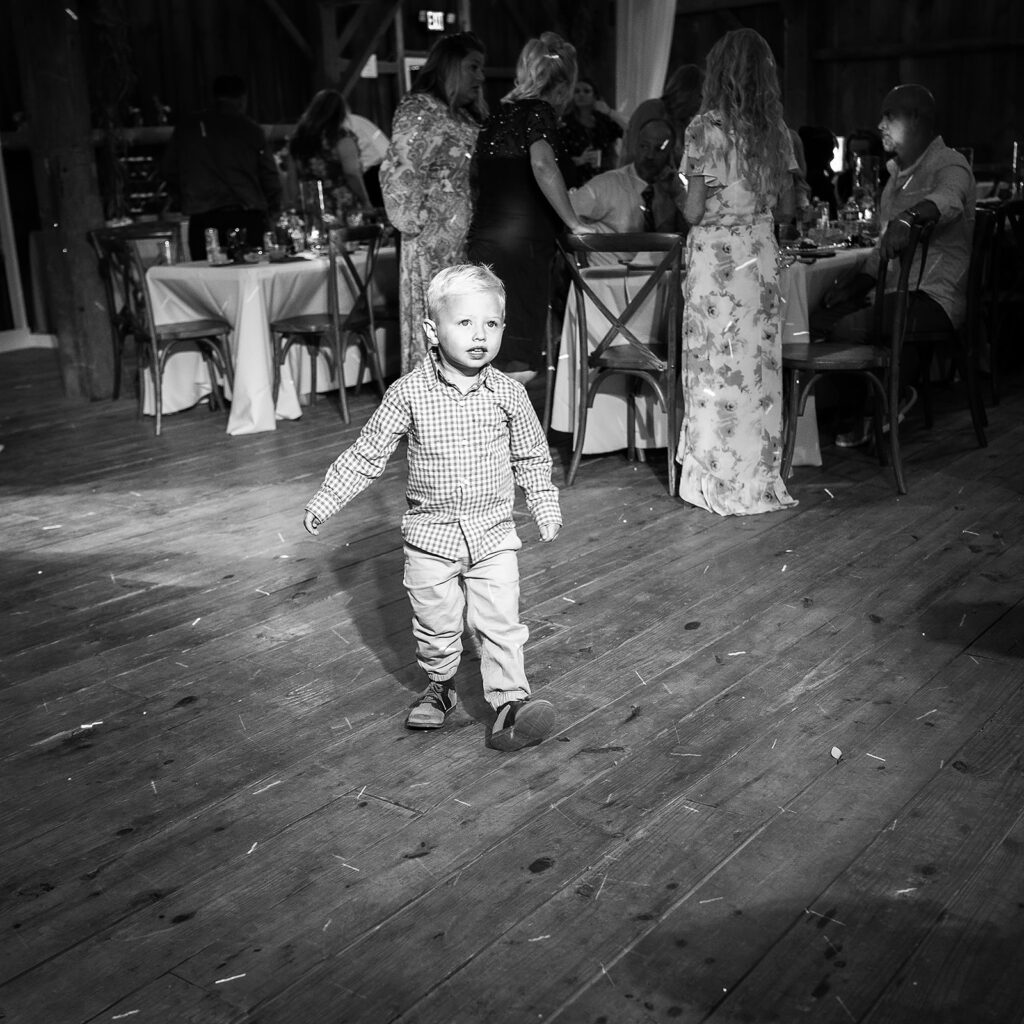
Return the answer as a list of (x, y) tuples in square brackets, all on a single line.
[(460, 279)]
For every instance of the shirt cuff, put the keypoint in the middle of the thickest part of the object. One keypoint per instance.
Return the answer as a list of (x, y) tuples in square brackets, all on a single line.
[(323, 505)]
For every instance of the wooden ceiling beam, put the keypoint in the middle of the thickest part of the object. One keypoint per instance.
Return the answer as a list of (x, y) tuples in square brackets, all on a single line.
[(352, 72), (290, 28), (327, 17), (512, 10)]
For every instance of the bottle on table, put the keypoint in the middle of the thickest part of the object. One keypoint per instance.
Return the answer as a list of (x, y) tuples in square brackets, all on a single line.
[(214, 253)]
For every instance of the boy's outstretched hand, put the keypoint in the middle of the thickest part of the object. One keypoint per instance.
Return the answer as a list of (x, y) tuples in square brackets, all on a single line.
[(312, 524), (549, 531)]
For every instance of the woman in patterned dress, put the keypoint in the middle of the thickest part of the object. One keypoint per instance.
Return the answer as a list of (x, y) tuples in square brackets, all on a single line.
[(425, 175), (738, 161), (522, 201)]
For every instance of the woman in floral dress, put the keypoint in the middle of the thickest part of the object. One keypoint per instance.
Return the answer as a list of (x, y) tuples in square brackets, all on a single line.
[(325, 159), (738, 161), (425, 176)]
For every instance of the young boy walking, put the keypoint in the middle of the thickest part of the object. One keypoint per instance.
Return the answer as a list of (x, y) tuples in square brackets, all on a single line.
[(472, 436)]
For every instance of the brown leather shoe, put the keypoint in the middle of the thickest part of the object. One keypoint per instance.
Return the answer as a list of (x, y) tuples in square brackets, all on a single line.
[(521, 723), (432, 708)]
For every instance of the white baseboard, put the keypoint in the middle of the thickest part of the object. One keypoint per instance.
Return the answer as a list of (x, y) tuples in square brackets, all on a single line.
[(24, 338)]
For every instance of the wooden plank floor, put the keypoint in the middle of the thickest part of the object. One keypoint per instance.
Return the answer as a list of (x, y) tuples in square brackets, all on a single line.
[(212, 813)]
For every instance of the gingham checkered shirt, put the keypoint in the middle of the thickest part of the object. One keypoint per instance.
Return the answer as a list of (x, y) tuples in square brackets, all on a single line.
[(466, 453)]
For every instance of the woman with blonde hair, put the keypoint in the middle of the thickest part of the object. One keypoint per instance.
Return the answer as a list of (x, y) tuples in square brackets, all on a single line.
[(738, 162), (425, 175), (522, 199)]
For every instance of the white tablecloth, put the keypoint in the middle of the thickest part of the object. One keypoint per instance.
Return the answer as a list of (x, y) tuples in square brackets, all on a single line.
[(802, 287), (249, 296)]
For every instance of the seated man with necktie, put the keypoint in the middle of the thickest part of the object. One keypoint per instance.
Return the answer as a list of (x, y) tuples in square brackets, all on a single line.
[(646, 195)]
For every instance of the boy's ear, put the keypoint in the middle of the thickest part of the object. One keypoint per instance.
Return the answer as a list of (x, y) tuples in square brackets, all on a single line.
[(430, 329)]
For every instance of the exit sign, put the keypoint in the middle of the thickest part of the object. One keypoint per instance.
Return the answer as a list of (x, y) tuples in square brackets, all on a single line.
[(435, 21)]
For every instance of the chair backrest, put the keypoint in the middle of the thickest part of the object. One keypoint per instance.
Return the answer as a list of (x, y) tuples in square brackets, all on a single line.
[(139, 306), (663, 280), (1008, 247), (979, 273), (111, 271), (920, 234), (116, 249), (358, 248)]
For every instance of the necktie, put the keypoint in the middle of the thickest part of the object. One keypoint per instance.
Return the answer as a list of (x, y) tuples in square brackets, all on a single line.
[(647, 205)]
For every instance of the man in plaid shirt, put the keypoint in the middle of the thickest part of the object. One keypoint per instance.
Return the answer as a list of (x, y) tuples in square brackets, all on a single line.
[(472, 436)]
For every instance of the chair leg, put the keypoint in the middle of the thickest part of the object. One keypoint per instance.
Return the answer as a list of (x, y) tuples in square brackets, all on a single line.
[(895, 453), (220, 350), (211, 373), (339, 372), (891, 404), (368, 343), (968, 357), (275, 358), (224, 347), (583, 401), (549, 397), (792, 413), (551, 359), (631, 396), (118, 364), (158, 375), (672, 440)]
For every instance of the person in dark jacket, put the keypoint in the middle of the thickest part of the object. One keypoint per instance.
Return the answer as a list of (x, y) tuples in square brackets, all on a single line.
[(220, 166)]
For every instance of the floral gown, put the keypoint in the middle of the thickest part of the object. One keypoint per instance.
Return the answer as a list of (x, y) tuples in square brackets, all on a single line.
[(426, 186), (730, 446)]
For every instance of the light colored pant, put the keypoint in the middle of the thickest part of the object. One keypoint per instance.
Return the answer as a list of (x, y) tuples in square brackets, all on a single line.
[(448, 594)]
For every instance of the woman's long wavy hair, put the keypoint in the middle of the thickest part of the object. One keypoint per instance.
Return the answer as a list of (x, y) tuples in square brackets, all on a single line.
[(441, 73), (320, 124), (546, 70), (742, 85)]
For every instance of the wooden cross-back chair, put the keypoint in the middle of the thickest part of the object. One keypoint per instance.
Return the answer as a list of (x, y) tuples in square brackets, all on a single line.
[(331, 331), (114, 264), (964, 343), (647, 359), (156, 343), (805, 363)]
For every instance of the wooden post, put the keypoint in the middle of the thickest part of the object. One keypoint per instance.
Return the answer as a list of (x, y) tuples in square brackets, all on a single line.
[(796, 85), (56, 93)]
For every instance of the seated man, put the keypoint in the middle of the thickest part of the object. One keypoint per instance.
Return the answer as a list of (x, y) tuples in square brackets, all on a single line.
[(929, 183), (646, 195)]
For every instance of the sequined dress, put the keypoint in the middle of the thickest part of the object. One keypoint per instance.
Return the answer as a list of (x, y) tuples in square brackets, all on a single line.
[(425, 179), (514, 226)]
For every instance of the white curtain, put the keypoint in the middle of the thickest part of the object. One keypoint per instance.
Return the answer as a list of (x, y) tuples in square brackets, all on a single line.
[(644, 29)]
